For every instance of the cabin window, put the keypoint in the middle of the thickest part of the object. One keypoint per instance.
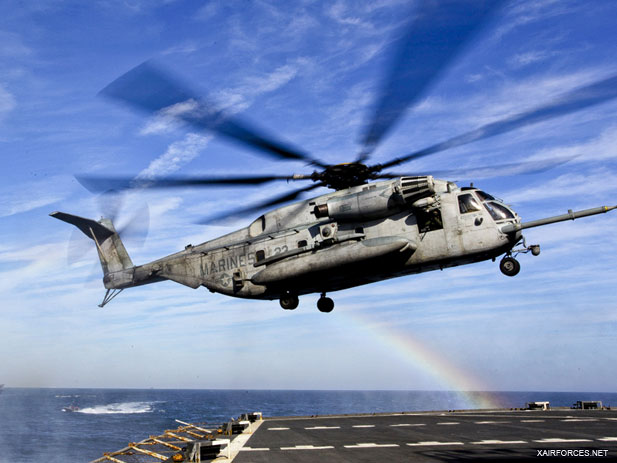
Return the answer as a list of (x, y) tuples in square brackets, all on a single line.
[(302, 244), (260, 255), (429, 220), (258, 226), (467, 203)]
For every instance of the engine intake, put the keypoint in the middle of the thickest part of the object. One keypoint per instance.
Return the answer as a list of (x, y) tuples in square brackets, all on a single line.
[(414, 188), (375, 202)]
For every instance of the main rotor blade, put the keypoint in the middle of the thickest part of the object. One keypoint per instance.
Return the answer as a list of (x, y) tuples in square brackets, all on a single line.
[(259, 206), (500, 170), (149, 89), (97, 184), (575, 100), (432, 38)]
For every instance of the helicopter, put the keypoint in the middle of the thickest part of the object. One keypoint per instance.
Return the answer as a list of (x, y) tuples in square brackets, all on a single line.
[(374, 225)]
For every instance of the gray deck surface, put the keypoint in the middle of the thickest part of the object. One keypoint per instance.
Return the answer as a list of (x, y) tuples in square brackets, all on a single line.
[(434, 436)]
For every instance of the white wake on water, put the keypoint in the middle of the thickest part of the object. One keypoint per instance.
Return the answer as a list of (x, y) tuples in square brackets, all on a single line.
[(120, 408)]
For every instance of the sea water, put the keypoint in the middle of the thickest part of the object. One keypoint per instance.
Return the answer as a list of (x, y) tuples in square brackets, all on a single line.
[(34, 428)]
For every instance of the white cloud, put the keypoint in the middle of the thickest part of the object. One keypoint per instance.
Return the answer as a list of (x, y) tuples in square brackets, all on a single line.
[(567, 185), (529, 57), (530, 11), (184, 49), (36, 264), (342, 13), (169, 118), (34, 194), (7, 102), (207, 11), (12, 46), (177, 155), (600, 148), (240, 97)]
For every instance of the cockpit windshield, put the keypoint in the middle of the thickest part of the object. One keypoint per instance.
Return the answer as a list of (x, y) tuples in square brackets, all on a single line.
[(498, 211), (484, 196)]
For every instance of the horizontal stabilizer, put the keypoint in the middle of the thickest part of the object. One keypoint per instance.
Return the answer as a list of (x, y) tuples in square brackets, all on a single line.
[(89, 227)]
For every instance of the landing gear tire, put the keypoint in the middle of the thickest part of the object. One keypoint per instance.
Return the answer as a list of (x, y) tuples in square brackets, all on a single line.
[(509, 266), (289, 301), (325, 304)]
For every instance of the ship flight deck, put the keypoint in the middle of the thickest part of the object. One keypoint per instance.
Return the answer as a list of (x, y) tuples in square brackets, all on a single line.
[(446, 436)]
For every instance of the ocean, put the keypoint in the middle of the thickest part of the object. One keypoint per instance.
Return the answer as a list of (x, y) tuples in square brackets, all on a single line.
[(34, 428)]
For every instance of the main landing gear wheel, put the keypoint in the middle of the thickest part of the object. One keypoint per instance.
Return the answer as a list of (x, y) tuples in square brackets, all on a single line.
[(289, 301), (509, 266), (325, 304)]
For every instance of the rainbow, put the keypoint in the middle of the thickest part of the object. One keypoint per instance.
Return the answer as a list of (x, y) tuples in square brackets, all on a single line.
[(470, 389)]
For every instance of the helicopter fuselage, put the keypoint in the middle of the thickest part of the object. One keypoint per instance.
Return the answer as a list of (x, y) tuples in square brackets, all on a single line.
[(351, 237), (340, 240)]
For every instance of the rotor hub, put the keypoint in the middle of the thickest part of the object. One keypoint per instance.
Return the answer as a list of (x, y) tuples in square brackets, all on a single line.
[(346, 175)]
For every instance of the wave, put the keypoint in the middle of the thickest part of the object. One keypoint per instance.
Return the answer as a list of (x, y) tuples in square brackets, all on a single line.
[(119, 408)]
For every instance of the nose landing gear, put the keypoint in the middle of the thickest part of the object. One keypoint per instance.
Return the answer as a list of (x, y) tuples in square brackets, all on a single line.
[(325, 304), (509, 265)]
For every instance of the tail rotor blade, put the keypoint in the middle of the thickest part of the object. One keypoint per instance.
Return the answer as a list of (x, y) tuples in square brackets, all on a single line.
[(137, 227), (110, 203), (79, 246)]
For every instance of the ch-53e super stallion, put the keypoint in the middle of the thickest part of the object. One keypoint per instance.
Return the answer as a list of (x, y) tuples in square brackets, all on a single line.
[(375, 225)]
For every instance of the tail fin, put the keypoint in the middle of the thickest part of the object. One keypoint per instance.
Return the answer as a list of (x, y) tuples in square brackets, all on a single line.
[(111, 251)]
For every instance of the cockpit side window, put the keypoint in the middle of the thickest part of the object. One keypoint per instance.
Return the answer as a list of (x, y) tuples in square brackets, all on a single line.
[(467, 203)]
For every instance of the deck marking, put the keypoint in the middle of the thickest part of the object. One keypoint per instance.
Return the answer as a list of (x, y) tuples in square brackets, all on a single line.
[(555, 440), (532, 421), (256, 449), (607, 439), (308, 447), (580, 419), (363, 426), (448, 422), (491, 442), (490, 422), (278, 429), (323, 427), (369, 445), (407, 424), (239, 442), (432, 442)]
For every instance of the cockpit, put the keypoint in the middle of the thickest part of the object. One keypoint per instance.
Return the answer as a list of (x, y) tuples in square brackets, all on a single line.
[(474, 200)]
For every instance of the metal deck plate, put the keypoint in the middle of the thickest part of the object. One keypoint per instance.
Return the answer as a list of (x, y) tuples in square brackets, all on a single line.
[(435, 436)]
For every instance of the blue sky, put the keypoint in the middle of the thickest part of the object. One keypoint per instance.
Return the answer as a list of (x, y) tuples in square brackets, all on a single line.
[(307, 72)]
